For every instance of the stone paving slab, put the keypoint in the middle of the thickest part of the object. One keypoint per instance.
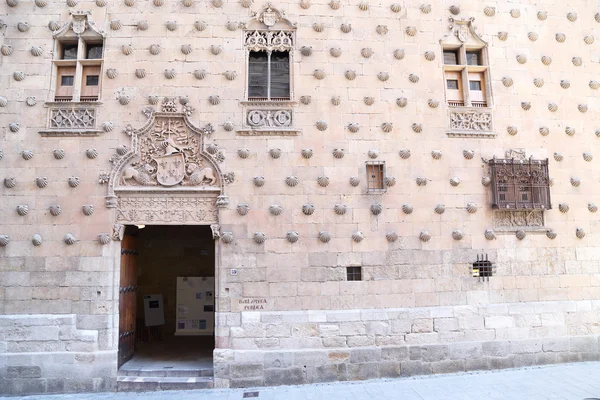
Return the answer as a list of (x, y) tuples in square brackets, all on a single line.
[(565, 382)]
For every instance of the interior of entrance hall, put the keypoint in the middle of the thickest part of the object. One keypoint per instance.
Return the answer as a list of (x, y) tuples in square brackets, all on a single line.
[(173, 269)]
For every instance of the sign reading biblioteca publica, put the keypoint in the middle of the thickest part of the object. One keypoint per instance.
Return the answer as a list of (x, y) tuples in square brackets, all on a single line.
[(251, 304)]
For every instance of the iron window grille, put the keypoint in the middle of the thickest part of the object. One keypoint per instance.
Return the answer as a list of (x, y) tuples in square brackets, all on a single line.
[(483, 268), (375, 176), (354, 273), (520, 184)]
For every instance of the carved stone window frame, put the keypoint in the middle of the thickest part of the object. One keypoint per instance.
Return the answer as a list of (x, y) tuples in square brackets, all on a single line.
[(469, 119)]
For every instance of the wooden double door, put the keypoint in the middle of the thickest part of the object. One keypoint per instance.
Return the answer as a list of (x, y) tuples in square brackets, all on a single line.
[(127, 298)]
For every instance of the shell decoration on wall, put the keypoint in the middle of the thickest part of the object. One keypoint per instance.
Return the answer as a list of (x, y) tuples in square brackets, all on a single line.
[(455, 181), (550, 234), (580, 233), (18, 76), (389, 181), (292, 236), (507, 81), (59, 154), (4, 240), (53, 26), (335, 52), (395, 7), (425, 8), (457, 235), (112, 73), (229, 126), (14, 126), (486, 181), (421, 181), (200, 25), (12, 3), (216, 50), (503, 35), (552, 107), (381, 29), (358, 236), (126, 49), (91, 153), (353, 127), (323, 181), (588, 39), (259, 181), (154, 49), (570, 131), (308, 209), (391, 236), (354, 181), (275, 153), (104, 238), (363, 5), (544, 131), (340, 209), (336, 100), (411, 30), (22, 209), (350, 75), (36, 239), (368, 100), (489, 11), (404, 154), (318, 27), (69, 239), (577, 61), (306, 153), (588, 156), (346, 28), (304, 4), (526, 105), (338, 153), (560, 37), (592, 207), (217, 3), (122, 150), (429, 55), (324, 236), (36, 51), (538, 82), (124, 99), (73, 181), (563, 208), (575, 181), (171, 25), (376, 208), (6, 50), (27, 154), (23, 26), (520, 234), (542, 15), (319, 74), (186, 49), (321, 125), (454, 9), (275, 209), (214, 100), (436, 154), (115, 25), (243, 209), (292, 181), (101, 3), (583, 108), (440, 209), (515, 13), (546, 60), (140, 73), (417, 128), (41, 182), (200, 74), (594, 85), (383, 76), (87, 209), (414, 78), (387, 127), (533, 36), (143, 25), (402, 102), (306, 51), (424, 236), (558, 156), (55, 210), (490, 234), (305, 100), (407, 209), (468, 154), (129, 3), (3, 101), (512, 130), (572, 16), (187, 3), (471, 208), (10, 182), (366, 52), (399, 54)]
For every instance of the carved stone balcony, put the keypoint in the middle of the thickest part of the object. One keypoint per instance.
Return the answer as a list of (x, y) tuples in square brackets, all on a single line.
[(269, 118), (71, 119)]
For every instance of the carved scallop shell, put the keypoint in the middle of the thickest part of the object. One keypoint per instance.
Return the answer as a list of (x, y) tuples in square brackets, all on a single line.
[(336, 100), (292, 236), (560, 37), (36, 239), (212, 149), (507, 81), (490, 234), (414, 78), (306, 51), (542, 15), (143, 25), (23, 26), (319, 74), (472, 208), (455, 181), (101, 3), (350, 75), (214, 100), (87, 209), (243, 209), (217, 3), (275, 153), (305, 100), (577, 61), (538, 82), (526, 105), (580, 233), (22, 209), (112, 73), (424, 236), (387, 127), (592, 207), (324, 236), (389, 181), (200, 74), (59, 154), (366, 52), (243, 153), (551, 234), (407, 208), (358, 236), (454, 9), (353, 127), (334, 4), (440, 209), (411, 30), (323, 181), (570, 131), (457, 235), (259, 181), (512, 130), (588, 156), (340, 209), (10, 183), (515, 13), (572, 16), (582, 108), (436, 154), (376, 208), (27, 154), (124, 99), (216, 50), (404, 154), (53, 26), (552, 107), (3, 101), (532, 36), (275, 209), (363, 5), (14, 127), (335, 51), (18, 76), (401, 102), (140, 73), (486, 181), (399, 54), (503, 35), (171, 25), (186, 49), (520, 234), (563, 208), (544, 131), (489, 11), (354, 181), (558, 156), (104, 238), (468, 154), (391, 236), (115, 25), (91, 153), (228, 126), (305, 4), (122, 150), (368, 100), (187, 3), (425, 8), (418, 128), (292, 181), (308, 209), (126, 49), (594, 85), (129, 3), (73, 181), (321, 125), (338, 153), (546, 60), (383, 76), (55, 210), (41, 182), (12, 3), (306, 153), (200, 25), (318, 27), (421, 181), (4, 240), (346, 28), (69, 239), (575, 181), (6, 50), (382, 29)]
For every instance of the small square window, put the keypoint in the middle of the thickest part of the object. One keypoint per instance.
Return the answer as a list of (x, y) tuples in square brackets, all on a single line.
[(451, 57), (375, 176), (69, 52), (66, 80), (474, 58), (93, 52), (354, 273), (452, 84), (475, 85), (91, 80)]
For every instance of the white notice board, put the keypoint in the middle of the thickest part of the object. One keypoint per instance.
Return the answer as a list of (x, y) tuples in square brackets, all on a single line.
[(195, 306)]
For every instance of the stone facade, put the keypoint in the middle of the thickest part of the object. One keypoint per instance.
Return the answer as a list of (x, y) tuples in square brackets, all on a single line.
[(285, 181)]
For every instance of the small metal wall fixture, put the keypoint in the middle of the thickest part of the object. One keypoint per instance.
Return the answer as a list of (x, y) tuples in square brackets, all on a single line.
[(483, 268)]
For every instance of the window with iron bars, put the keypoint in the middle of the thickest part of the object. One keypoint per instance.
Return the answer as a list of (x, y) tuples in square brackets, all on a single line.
[(520, 184), (375, 176), (354, 273)]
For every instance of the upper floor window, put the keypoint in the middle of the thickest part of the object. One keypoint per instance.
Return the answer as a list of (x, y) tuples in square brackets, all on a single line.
[(466, 70), (520, 184)]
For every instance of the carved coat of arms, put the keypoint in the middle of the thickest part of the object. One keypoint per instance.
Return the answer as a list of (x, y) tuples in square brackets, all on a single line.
[(170, 169)]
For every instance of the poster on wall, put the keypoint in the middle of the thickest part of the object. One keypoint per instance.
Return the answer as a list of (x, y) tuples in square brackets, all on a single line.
[(195, 306), (154, 312)]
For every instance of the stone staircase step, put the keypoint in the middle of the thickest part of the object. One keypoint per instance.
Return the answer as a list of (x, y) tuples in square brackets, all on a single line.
[(168, 373), (157, 383)]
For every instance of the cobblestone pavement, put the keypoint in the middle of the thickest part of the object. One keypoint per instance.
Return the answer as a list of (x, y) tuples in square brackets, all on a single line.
[(568, 381)]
